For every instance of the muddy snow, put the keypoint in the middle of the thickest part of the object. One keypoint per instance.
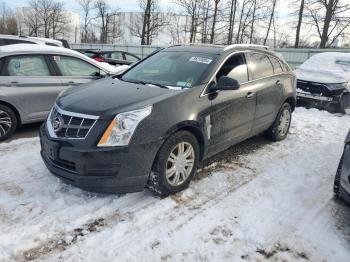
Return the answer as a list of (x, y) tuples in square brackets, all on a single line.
[(257, 201)]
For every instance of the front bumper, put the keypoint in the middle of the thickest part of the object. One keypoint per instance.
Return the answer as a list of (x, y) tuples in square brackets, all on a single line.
[(103, 170), (345, 175), (331, 103)]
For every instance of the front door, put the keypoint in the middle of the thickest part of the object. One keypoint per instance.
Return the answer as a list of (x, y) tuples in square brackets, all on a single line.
[(233, 111)]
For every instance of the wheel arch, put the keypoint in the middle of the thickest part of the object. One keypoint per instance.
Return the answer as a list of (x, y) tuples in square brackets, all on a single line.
[(291, 101), (14, 109), (194, 128)]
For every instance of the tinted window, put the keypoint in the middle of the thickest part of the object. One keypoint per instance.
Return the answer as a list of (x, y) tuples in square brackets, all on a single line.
[(260, 66), (176, 69), (276, 65), (117, 56), (15, 41), (28, 65), (71, 66), (131, 58), (236, 68)]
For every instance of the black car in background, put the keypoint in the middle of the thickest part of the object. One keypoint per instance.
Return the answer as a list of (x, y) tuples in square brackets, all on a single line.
[(155, 123), (342, 177), (113, 57)]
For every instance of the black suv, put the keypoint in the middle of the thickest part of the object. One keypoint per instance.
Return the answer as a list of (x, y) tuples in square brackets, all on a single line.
[(155, 123)]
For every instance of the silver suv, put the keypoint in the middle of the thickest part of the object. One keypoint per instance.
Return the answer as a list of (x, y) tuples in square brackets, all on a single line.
[(32, 76)]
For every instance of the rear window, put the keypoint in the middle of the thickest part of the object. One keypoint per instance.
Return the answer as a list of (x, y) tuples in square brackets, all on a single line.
[(276, 65), (260, 65), (28, 65)]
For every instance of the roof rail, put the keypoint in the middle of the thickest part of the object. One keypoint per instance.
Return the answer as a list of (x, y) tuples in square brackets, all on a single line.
[(246, 45), (199, 44)]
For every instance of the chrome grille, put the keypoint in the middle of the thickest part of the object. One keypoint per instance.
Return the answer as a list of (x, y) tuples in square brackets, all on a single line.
[(70, 125)]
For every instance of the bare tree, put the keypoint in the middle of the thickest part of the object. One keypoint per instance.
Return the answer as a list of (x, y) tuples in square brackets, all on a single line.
[(107, 18), (329, 18), (150, 23), (87, 8), (8, 22), (271, 20), (300, 20), (216, 6), (232, 17)]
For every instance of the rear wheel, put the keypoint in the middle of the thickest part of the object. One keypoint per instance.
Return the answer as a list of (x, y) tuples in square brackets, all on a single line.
[(8, 122), (345, 103), (336, 186), (279, 129), (175, 164)]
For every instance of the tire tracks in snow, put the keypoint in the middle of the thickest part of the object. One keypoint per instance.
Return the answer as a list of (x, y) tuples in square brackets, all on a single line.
[(190, 207)]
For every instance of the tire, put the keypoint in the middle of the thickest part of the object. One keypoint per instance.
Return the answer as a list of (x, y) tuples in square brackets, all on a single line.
[(161, 183), (345, 103), (336, 185), (275, 133), (8, 122)]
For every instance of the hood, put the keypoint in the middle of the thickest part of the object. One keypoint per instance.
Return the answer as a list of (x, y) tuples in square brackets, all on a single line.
[(322, 76), (108, 97)]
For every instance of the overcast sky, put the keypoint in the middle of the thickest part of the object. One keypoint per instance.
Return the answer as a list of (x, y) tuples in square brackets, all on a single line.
[(130, 5)]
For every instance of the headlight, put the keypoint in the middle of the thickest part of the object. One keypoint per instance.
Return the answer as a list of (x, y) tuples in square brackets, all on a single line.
[(122, 127)]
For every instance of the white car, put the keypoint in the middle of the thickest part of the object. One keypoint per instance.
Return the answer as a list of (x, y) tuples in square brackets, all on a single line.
[(32, 76), (323, 81), (13, 39)]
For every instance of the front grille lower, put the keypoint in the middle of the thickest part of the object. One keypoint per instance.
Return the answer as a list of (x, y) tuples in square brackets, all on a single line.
[(63, 124)]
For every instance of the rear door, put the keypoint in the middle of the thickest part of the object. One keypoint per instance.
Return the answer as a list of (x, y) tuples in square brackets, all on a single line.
[(30, 82), (232, 110), (268, 90), (74, 71)]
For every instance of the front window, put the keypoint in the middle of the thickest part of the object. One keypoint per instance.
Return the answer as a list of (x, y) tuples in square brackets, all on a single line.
[(71, 66), (171, 69)]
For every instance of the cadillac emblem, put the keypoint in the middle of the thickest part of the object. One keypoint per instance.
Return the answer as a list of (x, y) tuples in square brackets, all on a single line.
[(57, 123)]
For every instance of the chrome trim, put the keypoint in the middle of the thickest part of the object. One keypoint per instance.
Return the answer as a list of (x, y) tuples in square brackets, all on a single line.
[(265, 47), (71, 114)]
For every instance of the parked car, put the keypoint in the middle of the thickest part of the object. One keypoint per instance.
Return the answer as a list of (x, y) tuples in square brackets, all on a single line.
[(13, 39), (323, 81), (31, 77), (154, 124), (112, 57), (342, 177)]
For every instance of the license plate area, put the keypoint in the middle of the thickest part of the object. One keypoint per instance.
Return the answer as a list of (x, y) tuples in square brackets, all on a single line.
[(51, 149)]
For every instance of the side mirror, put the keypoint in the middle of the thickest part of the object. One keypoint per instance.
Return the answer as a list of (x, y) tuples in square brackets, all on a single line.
[(226, 83)]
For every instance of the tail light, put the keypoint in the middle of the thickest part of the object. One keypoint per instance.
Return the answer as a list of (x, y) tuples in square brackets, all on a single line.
[(99, 59)]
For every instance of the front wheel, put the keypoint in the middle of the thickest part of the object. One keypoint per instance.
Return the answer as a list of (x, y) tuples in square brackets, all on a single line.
[(175, 164), (279, 129)]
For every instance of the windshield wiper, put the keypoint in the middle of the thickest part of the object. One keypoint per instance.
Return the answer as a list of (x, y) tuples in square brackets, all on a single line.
[(156, 84), (144, 83)]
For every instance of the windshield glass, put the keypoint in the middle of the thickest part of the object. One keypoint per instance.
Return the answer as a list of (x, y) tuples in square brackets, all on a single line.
[(171, 69)]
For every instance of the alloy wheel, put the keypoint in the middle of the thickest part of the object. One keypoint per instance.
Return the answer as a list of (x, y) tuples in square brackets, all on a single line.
[(284, 122), (5, 123), (180, 163)]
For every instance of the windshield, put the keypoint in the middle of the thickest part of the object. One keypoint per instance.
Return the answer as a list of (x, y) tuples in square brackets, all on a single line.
[(171, 69)]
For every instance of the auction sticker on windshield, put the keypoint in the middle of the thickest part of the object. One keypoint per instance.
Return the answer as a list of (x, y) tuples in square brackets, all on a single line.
[(200, 60)]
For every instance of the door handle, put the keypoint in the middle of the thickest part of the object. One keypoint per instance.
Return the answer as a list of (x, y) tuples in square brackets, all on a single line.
[(13, 83), (250, 95), (278, 83)]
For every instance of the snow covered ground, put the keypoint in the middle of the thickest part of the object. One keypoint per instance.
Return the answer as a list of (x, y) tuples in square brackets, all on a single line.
[(257, 201)]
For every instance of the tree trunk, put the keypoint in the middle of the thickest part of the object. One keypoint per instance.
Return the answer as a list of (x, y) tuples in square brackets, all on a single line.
[(232, 21), (253, 21), (271, 18), (240, 22), (214, 21), (300, 20), (327, 22)]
